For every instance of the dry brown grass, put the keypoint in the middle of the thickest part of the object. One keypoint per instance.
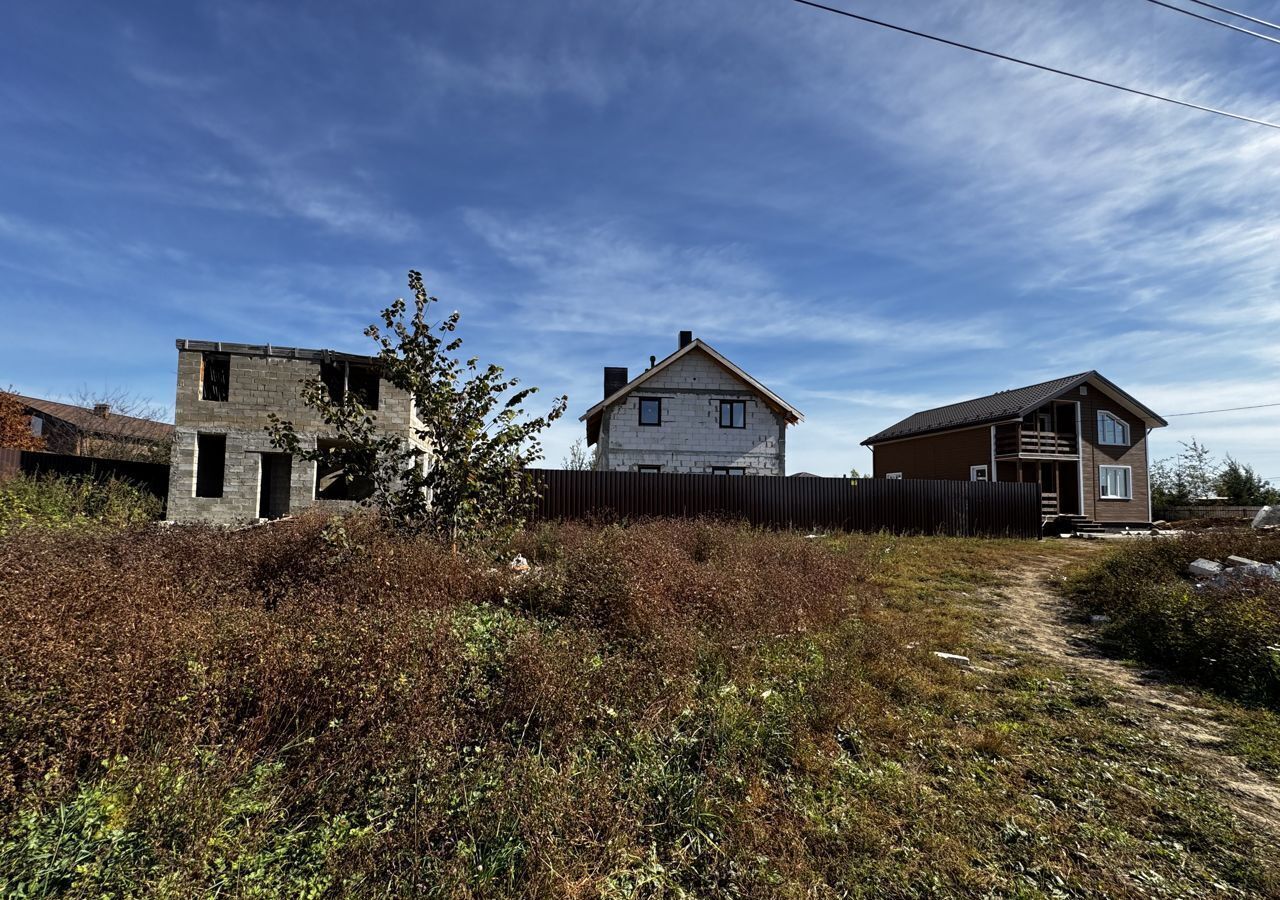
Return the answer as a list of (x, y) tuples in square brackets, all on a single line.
[(664, 710)]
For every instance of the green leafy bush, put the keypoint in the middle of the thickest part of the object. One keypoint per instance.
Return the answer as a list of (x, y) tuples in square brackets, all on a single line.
[(64, 501), (1226, 637)]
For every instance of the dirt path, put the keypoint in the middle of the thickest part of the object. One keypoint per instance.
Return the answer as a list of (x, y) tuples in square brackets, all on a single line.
[(1037, 619)]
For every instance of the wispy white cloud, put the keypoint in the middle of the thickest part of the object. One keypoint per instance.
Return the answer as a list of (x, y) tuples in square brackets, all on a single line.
[(600, 279)]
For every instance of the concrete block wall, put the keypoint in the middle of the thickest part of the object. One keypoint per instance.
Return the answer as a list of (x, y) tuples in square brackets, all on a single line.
[(259, 386), (690, 439)]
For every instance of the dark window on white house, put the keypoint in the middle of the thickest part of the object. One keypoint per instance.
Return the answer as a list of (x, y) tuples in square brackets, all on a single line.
[(733, 414), (649, 470), (650, 411), (215, 377), (728, 470), (211, 458)]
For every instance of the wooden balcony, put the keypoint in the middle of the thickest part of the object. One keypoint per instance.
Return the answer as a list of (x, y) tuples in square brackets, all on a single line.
[(1016, 442)]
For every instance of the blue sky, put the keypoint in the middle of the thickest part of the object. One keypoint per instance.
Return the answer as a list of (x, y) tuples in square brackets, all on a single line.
[(869, 223)]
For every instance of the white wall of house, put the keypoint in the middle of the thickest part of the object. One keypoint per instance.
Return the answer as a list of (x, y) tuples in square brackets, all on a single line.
[(690, 439)]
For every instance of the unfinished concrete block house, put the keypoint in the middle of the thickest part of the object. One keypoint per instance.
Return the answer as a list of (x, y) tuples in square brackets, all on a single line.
[(225, 469), (1082, 438), (693, 412)]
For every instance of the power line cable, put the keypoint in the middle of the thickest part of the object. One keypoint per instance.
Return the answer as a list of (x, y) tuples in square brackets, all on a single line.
[(1238, 15), (1033, 65), (1202, 18), (1205, 412)]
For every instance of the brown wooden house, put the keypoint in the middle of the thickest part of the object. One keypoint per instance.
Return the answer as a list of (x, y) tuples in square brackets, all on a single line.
[(1081, 437)]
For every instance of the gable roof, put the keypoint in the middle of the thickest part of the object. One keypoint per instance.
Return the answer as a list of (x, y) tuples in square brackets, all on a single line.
[(89, 422), (782, 407), (1005, 405)]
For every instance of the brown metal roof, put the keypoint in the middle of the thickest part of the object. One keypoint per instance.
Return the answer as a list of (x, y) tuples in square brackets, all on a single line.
[(89, 422), (1002, 406)]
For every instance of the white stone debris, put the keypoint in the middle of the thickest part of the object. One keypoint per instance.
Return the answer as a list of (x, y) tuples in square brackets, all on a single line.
[(954, 658), (1267, 517), (1099, 620), (1204, 568), (1215, 574)]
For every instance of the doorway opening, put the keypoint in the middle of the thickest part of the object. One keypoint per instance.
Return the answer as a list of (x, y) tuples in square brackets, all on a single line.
[(273, 485)]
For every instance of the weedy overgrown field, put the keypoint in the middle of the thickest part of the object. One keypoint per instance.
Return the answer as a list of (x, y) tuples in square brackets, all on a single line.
[(325, 708)]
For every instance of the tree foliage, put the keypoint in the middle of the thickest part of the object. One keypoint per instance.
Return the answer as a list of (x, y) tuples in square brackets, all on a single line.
[(580, 457), (15, 425), (1183, 479), (1194, 475), (465, 473), (1241, 485)]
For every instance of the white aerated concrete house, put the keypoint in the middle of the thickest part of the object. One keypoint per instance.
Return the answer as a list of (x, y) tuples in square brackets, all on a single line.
[(693, 412)]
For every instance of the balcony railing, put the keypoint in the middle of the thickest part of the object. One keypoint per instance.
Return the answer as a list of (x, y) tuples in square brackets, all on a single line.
[(1048, 504), (1035, 443)]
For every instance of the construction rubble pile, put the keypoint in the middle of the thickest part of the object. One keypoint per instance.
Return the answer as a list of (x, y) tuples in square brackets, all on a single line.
[(1232, 571)]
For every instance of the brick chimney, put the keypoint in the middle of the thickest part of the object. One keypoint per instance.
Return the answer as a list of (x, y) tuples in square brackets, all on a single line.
[(686, 338), (615, 378), (102, 410)]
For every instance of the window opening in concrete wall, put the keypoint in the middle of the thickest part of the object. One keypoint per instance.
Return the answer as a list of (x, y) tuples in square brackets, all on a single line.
[(334, 483), (362, 382), (215, 377), (354, 380), (211, 458)]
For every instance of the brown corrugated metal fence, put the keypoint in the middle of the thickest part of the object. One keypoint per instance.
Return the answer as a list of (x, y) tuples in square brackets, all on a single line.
[(960, 508), (152, 477), (10, 462)]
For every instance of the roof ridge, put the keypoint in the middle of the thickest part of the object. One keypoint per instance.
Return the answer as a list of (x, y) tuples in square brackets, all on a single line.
[(981, 410)]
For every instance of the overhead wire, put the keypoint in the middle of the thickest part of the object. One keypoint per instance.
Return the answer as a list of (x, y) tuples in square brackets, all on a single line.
[(1034, 65), (1203, 18), (1205, 412), (1238, 15)]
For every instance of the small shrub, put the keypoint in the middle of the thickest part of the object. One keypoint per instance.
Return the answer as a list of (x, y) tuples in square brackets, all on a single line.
[(66, 501)]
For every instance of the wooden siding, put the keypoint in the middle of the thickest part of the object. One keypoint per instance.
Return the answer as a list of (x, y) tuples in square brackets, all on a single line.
[(1094, 455), (959, 508), (945, 456)]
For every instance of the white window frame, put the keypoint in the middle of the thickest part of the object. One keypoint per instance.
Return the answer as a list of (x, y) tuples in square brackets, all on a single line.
[(894, 476), (1102, 483), (986, 473), (1120, 424)]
